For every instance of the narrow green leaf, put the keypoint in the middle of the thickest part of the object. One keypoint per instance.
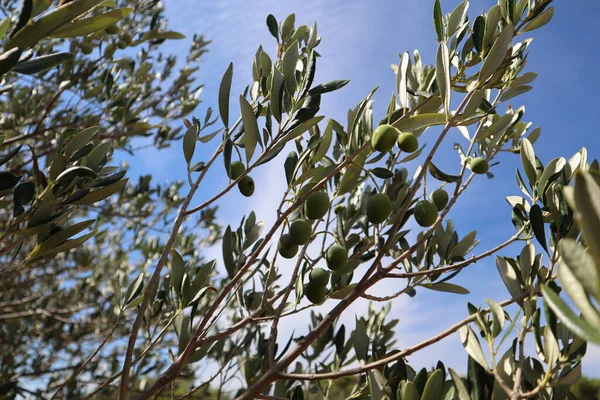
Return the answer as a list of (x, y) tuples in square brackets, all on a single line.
[(580, 263), (288, 67), (577, 293), (441, 176), (433, 387), (437, 20), (251, 133), (327, 87), (272, 25), (402, 78), (420, 121), (161, 35), (587, 203), (498, 317), (572, 321), (189, 142), (290, 166), (100, 194), (537, 224), (351, 174), (134, 289), (42, 27), (509, 277), (343, 292), (228, 259), (478, 32), (447, 287), (491, 25), (224, 92), (540, 20), (361, 342), (70, 244), (496, 55), (277, 94), (408, 391), (442, 74), (177, 271), (303, 127), (456, 17), (528, 161), (471, 344), (42, 64), (515, 91), (461, 389), (86, 26), (551, 172)]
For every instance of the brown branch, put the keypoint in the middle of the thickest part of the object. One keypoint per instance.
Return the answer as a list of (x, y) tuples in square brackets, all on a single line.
[(404, 353)]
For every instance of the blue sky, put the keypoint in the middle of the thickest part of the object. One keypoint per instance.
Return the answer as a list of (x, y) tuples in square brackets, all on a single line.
[(360, 39)]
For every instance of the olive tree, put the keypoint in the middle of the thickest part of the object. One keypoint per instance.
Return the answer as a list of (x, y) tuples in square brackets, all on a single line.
[(364, 202)]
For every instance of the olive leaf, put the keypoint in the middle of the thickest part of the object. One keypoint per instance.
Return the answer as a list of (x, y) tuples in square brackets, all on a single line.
[(224, 90)]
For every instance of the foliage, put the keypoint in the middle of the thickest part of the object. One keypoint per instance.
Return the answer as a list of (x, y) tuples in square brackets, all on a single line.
[(132, 301)]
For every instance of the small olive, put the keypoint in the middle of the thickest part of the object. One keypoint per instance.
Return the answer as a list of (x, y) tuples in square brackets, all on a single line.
[(300, 231), (379, 208), (440, 198), (479, 165), (336, 257), (286, 248), (314, 293), (426, 213), (319, 276), (236, 169), (246, 186), (317, 205), (384, 137), (408, 142)]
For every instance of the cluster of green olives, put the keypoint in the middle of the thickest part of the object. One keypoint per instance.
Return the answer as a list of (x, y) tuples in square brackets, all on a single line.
[(385, 136), (316, 288), (426, 211), (246, 184)]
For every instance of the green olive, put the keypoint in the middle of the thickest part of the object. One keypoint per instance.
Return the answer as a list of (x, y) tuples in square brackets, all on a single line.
[(319, 276), (440, 199), (236, 169), (300, 231), (317, 205), (286, 248), (87, 48), (426, 213), (336, 257), (112, 29), (408, 142), (246, 186), (384, 138), (314, 293), (479, 165), (379, 208)]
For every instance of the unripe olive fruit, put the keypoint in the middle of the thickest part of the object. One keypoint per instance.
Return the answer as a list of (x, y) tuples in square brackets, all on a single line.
[(121, 44), (127, 38), (112, 29), (300, 231), (479, 165), (384, 137), (236, 169), (246, 186), (336, 257), (408, 142), (379, 208), (411, 292), (87, 48), (426, 213), (286, 248), (317, 205), (319, 276), (440, 199), (314, 293)]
